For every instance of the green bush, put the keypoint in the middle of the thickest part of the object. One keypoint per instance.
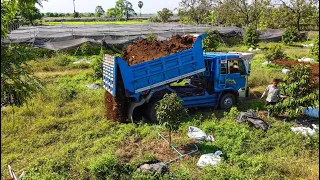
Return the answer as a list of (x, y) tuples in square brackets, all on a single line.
[(315, 48), (106, 167), (151, 37), (274, 52), (290, 35), (62, 59), (212, 41), (97, 66), (251, 36), (301, 90), (154, 19)]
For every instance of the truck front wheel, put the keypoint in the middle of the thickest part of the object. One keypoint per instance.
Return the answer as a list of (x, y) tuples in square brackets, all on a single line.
[(227, 101)]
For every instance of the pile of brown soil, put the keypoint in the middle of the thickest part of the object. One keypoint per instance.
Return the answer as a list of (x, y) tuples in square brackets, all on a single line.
[(142, 51), (289, 63), (145, 50)]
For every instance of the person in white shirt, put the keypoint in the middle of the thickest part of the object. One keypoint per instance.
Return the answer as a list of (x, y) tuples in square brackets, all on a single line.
[(274, 95)]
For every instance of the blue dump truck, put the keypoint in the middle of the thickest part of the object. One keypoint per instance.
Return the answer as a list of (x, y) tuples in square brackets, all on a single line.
[(209, 79)]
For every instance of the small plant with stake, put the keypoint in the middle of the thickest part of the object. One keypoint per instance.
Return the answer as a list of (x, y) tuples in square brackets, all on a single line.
[(171, 113)]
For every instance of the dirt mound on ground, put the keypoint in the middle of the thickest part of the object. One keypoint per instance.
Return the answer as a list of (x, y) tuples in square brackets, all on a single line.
[(289, 63), (145, 50), (142, 51)]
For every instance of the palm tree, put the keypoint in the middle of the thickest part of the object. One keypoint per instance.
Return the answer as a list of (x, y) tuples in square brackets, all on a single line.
[(74, 8), (140, 4)]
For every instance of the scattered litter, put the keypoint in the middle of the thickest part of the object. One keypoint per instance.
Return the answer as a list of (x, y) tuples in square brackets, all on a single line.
[(199, 135), (307, 45), (266, 62), (307, 60), (93, 86), (83, 60), (285, 71), (251, 49), (306, 131), (210, 159), (311, 112), (252, 119), (155, 168)]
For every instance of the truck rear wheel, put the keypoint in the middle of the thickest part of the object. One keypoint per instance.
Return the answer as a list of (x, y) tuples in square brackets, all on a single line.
[(227, 101), (151, 113)]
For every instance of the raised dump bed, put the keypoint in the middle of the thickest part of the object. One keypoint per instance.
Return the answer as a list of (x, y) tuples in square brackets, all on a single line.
[(142, 77)]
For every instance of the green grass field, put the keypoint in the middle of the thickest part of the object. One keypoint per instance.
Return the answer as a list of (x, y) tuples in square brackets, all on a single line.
[(96, 22), (62, 133)]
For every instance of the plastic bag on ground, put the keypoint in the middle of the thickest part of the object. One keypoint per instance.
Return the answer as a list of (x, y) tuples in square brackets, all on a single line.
[(93, 86), (305, 131), (198, 134), (285, 71), (210, 159), (307, 60), (311, 112)]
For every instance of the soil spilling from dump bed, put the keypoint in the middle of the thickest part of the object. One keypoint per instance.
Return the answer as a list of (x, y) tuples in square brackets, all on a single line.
[(145, 50), (117, 107), (142, 51), (288, 63)]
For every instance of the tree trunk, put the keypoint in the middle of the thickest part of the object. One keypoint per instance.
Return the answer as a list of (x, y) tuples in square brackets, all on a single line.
[(298, 22)]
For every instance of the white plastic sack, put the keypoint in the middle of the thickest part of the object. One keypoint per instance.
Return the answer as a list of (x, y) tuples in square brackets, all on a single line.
[(285, 71), (250, 49), (210, 159), (312, 112), (306, 131), (266, 62), (307, 60), (307, 45), (198, 134)]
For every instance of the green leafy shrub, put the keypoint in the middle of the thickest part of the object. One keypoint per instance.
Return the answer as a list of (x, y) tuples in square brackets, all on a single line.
[(97, 66), (164, 15), (274, 52), (18, 83), (154, 19), (290, 35), (171, 113), (315, 48), (106, 167), (300, 88), (212, 41), (151, 37), (62, 59), (251, 36)]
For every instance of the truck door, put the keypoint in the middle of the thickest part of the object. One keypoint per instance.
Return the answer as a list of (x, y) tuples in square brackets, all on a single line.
[(236, 77)]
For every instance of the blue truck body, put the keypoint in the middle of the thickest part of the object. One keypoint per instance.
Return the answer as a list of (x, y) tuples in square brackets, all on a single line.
[(153, 78)]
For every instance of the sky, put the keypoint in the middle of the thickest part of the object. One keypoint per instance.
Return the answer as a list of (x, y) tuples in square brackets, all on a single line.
[(82, 6)]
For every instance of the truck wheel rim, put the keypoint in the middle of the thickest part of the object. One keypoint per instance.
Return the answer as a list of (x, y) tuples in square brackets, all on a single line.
[(228, 103)]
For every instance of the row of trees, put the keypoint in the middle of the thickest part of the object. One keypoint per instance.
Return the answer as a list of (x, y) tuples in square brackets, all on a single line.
[(241, 13)]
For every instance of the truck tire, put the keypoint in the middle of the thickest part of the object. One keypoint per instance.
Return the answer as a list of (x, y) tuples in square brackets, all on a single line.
[(151, 113), (227, 101)]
